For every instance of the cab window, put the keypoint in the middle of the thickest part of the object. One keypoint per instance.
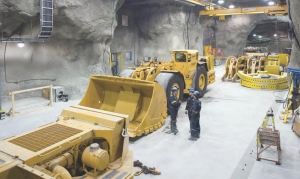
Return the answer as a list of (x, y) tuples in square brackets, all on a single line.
[(180, 57)]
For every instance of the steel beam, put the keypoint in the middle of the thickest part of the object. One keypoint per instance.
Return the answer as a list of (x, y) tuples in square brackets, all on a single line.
[(270, 10)]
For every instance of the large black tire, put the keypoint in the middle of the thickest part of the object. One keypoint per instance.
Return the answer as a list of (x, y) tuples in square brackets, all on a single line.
[(126, 73), (167, 81), (200, 75)]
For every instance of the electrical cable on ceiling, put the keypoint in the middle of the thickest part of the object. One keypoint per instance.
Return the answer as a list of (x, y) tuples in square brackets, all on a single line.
[(5, 74)]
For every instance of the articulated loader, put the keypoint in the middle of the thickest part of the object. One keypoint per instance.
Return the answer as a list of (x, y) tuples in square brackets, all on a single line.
[(85, 143), (142, 92)]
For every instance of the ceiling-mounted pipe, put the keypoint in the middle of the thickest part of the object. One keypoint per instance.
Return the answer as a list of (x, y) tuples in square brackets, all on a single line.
[(46, 24)]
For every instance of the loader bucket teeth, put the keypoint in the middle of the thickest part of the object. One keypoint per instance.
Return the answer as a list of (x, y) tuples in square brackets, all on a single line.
[(143, 101)]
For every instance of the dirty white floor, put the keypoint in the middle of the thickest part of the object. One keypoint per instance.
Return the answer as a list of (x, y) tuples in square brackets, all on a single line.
[(230, 117)]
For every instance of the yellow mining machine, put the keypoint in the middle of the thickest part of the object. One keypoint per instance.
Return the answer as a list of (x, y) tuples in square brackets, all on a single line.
[(142, 92), (252, 60), (85, 143), (147, 87), (271, 73), (258, 70)]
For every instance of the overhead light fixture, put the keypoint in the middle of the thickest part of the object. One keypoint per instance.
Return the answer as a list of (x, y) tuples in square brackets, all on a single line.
[(271, 3), (185, 2), (254, 35), (221, 1), (21, 44), (231, 6), (259, 37), (275, 35)]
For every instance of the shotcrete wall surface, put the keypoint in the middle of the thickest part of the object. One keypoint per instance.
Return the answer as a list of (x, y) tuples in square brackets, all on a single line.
[(126, 36), (165, 28), (78, 47), (159, 28), (84, 34), (295, 15), (231, 34)]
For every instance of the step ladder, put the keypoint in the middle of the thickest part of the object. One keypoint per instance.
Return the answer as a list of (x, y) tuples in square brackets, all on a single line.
[(268, 137)]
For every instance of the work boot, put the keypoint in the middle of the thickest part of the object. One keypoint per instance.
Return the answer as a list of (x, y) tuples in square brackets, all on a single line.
[(192, 138), (175, 132)]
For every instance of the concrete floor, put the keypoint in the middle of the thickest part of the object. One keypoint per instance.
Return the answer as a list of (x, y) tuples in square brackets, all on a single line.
[(230, 117)]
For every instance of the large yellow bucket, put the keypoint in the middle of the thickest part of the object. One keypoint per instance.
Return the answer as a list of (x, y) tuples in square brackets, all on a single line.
[(144, 101)]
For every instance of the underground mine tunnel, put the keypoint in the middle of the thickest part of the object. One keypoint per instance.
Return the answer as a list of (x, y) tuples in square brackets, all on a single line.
[(162, 89)]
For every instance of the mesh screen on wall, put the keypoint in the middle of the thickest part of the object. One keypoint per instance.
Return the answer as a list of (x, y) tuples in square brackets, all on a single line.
[(46, 24)]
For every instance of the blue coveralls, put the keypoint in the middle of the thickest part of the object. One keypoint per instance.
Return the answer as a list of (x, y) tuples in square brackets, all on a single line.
[(174, 104), (188, 107), (195, 118)]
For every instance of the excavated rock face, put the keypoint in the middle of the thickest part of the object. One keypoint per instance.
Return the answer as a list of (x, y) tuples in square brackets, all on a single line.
[(168, 27), (78, 47), (232, 33), (295, 15), (157, 28)]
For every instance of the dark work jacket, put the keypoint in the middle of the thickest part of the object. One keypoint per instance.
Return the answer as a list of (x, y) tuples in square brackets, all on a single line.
[(189, 104), (196, 108), (174, 103)]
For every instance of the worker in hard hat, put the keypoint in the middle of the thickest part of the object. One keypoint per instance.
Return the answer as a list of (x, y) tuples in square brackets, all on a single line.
[(195, 117), (189, 104), (174, 105)]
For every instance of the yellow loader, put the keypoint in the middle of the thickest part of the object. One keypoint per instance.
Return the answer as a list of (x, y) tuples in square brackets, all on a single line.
[(142, 92), (84, 143)]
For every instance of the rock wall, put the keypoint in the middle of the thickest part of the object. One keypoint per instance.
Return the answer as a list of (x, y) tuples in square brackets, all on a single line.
[(295, 15), (126, 37), (169, 27), (232, 33), (79, 46), (157, 29)]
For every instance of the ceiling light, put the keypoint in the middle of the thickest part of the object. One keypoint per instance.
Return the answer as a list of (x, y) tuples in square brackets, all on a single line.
[(259, 37), (254, 35), (231, 6), (21, 44), (271, 3), (275, 35), (221, 1)]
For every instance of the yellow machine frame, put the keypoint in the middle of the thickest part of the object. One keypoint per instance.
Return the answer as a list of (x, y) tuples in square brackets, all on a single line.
[(58, 150), (142, 92), (149, 71), (252, 67), (269, 10)]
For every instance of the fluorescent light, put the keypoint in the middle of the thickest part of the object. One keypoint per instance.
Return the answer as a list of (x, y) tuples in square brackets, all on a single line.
[(271, 3), (254, 35), (275, 35), (221, 1), (231, 6), (21, 44), (185, 2)]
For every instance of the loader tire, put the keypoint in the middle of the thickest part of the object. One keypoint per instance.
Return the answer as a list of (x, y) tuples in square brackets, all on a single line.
[(167, 81), (126, 73), (200, 80)]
